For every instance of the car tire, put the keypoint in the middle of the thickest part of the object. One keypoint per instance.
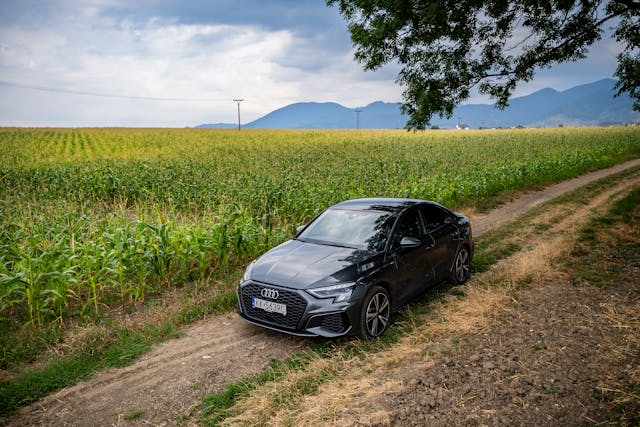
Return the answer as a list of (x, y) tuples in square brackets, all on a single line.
[(375, 313), (460, 268)]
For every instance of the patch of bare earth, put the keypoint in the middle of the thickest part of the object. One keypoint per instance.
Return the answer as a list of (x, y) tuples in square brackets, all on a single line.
[(524, 346), (166, 383), (547, 363)]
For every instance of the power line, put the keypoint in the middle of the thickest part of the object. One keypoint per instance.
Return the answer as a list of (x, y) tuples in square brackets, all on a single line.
[(108, 95)]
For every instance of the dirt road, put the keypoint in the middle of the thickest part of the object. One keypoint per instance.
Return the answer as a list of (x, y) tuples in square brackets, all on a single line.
[(549, 336), (523, 204), (165, 383)]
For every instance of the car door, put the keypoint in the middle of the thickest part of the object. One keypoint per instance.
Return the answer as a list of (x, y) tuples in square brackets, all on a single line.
[(414, 265), (441, 225)]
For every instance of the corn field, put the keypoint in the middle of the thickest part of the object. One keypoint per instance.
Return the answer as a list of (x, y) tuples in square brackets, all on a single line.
[(96, 218)]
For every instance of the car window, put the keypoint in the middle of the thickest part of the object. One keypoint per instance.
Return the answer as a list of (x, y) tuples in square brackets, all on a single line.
[(367, 229), (435, 217), (410, 225)]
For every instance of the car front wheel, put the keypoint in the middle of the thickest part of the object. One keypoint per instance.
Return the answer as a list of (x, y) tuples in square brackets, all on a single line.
[(460, 272), (376, 311)]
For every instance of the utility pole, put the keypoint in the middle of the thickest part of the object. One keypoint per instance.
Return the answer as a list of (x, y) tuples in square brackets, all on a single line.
[(358, 111), (238, 101)]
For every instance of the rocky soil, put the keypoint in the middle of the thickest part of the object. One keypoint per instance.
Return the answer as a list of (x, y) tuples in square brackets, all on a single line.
[(559, 357)]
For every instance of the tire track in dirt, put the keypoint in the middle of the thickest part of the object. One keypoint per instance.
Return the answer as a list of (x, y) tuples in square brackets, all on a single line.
[(528, 201), (166, 382)]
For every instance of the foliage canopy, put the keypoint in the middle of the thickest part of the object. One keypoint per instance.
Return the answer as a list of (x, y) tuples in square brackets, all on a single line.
[(448, 47)]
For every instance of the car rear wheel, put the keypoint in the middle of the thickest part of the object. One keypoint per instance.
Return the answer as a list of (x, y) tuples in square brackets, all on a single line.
[(460, 272), (376, 311)]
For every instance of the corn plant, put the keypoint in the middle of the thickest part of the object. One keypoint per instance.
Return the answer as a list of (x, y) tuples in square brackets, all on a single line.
[(96, 217)]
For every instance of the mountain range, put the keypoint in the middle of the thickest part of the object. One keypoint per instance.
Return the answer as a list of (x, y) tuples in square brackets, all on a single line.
[(591, 104)]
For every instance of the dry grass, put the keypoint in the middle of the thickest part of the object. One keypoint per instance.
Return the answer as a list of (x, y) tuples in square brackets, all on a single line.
[(350, 396), (272, 402), (341, 396), (626, 319), (491, 292)]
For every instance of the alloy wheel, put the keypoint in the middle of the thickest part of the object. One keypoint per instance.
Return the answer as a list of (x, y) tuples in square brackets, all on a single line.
[(378, 311), (461, 268)]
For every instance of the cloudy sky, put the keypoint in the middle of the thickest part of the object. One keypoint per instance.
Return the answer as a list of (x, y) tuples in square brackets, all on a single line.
[(181, 63)]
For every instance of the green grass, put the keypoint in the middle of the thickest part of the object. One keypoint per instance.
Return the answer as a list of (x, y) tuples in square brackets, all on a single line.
[(503, 241), (485, 258), (220, 304), (605, 256), (134, 415), (213, 408), (624, 210), (106, 351), (108, 347)]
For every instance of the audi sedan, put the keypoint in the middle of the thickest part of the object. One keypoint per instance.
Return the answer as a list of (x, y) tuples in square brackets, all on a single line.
[(352, 266)]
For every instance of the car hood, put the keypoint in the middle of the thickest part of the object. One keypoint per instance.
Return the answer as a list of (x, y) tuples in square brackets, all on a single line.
[(302, 265)]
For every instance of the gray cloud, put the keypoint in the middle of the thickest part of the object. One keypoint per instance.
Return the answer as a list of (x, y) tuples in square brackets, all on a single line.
[(269, 52)]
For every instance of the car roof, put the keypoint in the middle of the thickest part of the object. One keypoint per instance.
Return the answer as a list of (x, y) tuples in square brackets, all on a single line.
[(380, 204)]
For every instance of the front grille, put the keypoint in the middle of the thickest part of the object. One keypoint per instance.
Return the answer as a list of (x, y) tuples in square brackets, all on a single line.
[(295, 306), (332, 322)]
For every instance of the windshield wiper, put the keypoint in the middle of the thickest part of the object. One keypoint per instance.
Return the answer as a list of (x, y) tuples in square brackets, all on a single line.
[(326, 243), (339, 245)]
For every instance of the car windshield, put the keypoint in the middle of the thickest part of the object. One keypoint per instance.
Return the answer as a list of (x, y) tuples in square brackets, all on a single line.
[(366, 229)]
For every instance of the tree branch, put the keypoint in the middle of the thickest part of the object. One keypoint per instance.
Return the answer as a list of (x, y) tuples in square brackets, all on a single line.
[(547, 52), (629, 4)]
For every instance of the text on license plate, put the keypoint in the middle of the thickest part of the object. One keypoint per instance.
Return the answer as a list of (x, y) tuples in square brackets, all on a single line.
[(270, 306)]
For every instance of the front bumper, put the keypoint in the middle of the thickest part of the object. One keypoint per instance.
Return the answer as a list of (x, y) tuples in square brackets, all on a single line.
[(306, 315)]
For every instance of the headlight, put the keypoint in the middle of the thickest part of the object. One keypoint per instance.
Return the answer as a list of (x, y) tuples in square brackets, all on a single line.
[(341, 292), (247, 273)]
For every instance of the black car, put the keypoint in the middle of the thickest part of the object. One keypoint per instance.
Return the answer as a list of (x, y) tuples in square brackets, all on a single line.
[(353, 265)]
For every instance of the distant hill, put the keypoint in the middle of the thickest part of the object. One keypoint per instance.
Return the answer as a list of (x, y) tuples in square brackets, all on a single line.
[(308, 115), (591, 104)]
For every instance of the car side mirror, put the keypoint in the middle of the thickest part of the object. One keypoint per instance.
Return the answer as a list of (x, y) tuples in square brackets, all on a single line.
[(300, 228), (410, 242)]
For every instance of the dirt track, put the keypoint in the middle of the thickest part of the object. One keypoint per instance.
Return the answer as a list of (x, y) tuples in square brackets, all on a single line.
[(169, 380), (513, 209), (166, 382)]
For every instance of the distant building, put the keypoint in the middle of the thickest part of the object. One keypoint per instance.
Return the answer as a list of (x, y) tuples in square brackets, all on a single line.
[(462, 126)]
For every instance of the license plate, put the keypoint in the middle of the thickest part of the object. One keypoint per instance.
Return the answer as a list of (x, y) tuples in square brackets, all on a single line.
[(270, 306)]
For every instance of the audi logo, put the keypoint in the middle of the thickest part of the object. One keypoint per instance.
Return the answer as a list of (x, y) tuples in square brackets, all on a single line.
[(270, 293)]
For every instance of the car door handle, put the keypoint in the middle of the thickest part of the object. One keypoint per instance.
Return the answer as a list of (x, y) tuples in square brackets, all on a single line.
[(431, 242), (393, 259)]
